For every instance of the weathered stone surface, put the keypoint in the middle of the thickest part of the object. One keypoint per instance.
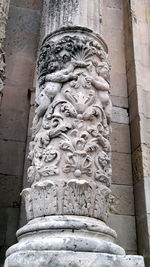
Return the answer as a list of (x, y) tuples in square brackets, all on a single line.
[(140, 200), (24, 30), (115, 15), (143, 236), (71, 259), (142, 189), (76, 12), (133, 107), (3, 225), (43, 186), (114, 38), (32, 4), (62, 121), (14, 127), (118, 64), (114, 4), (141, 156), (12, 101), (11, 163), (125, 228), (121, 168), (12, 225), (145, 134), (135, 127), (31, 117), (119, 101), (8, 226), (62, 233), (131, 74), (120, 115), (120, 138), (119, 82), (137, 162), (123, 202), (4, 8), (66, 106), (23, 69), (10, 186)]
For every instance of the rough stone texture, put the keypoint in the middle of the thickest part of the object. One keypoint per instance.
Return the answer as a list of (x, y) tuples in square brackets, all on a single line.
[(44, 233), (20, 46), (137, 23), (8, 227), (123, 200), (121, 162), (70, 13), (120, 115), (72, 259), (112, 30), (120, 138), (124, 224), (13, 195), (114, 36), (121, 168), (11, 165), (62, 126), (48, 112), (4, 8)]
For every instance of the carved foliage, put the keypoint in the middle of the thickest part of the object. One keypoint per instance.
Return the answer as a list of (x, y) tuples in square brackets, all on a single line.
[(2, 69), (78, 197), (71, 128), (4, 7)]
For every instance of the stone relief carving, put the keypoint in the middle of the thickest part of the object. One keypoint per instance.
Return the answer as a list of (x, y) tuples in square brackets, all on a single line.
[(4, 8), (2, 70), (70, 170)]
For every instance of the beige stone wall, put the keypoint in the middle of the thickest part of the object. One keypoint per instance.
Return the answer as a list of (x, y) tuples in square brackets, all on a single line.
[(21, 45), (137, 24), (122, 217)]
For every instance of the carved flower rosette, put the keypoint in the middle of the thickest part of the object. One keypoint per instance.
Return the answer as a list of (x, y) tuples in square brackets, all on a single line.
[(70, 170)]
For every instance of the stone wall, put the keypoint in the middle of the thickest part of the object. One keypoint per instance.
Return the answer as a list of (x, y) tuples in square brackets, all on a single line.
[(17, 113), (137, 25), (122, 218), (21, 45)]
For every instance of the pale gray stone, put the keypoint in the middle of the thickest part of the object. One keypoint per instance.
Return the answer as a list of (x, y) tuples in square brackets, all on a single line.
[(120, 115), (71, 259), (77, 12), (125, 227)]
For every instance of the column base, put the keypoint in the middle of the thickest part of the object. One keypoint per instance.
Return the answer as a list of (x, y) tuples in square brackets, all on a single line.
[(71, 259), (67, 241)]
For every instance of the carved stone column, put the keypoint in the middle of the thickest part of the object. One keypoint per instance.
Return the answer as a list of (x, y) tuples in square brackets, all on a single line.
[(70, 174), (4, 8)]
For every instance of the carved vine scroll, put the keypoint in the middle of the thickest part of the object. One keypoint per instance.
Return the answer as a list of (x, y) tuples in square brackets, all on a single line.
[(4, 8), (70, 170)]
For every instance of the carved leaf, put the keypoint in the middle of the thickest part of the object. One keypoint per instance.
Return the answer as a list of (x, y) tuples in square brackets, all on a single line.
[(92, 145), (67, 146), (48, 171)]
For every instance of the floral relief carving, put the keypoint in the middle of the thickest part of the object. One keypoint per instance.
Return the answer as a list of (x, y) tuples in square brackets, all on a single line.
[(70, 145), (2, 70), (4, 8)]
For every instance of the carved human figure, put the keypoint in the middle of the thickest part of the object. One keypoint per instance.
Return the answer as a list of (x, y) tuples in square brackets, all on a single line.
[(53, 84), (102, 84), (71, 128), (51, 87)]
